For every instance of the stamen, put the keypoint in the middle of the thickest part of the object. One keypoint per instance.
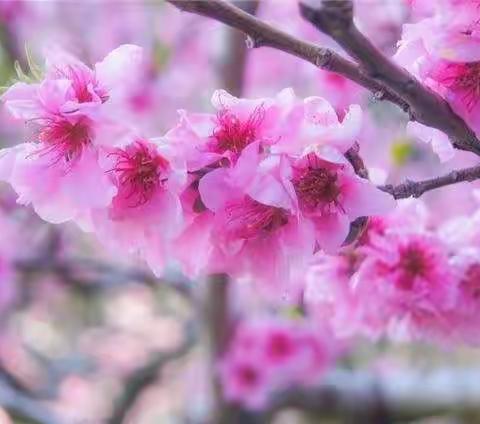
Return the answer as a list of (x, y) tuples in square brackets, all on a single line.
[(316, 186), (139, 170), (250, 219), (233, 135)]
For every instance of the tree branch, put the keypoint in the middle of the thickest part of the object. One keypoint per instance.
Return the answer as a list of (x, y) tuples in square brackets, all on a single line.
[(146, 375), (23, 406), (416, 188), (233, 69), (335, 18), (367, 398), (261, 34)]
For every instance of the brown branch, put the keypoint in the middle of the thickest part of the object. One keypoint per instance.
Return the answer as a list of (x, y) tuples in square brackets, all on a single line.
[(358, 226), (416, 188), (261, 34), (335, 18), (233, 69)]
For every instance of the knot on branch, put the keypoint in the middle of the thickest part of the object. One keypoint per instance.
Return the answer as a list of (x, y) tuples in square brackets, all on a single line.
[(254, 42), (353, 156), (323, 58), (329, 16)]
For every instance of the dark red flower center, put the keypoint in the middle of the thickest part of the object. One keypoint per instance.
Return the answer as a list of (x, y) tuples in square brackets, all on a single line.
[(465, 77), (316, 186), (139, 169), (414, 262), (250, 219), (65, 139), (84, 83), (233, 134), (279, 346), (248, 375), (471, 281)]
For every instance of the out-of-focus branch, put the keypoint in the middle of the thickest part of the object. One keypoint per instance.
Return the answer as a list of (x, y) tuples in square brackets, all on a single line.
[(142, 378), (218, 325), (92, 273), (364, 398), (261, 34), (236, 56), (335, 18), (416, 188), (19, 404)]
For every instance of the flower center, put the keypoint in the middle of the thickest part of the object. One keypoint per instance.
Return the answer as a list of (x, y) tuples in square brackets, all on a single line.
[(250, 219), (466, 78), (414, 262), (139, 170), (84, 83), (471, 281), (65, 139), (248, 375), (231, 134), (279, 346), (316, 187)]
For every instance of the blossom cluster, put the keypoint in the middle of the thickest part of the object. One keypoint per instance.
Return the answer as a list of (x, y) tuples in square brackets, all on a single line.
[(442, 50), (404, 279), (252, 190), (266, 356)]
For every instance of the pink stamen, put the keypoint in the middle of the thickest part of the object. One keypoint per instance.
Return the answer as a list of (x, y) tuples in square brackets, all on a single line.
[(250, 219), (140, 172)]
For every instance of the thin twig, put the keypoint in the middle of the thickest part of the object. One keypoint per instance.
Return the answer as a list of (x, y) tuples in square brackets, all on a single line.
[(335, 18), (233, 69), (416, 188), (261, 34)]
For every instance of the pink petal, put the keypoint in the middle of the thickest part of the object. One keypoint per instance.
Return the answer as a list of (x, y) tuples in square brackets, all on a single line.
[(331, 231), (439, 141), (120, 67), (319, 111), (21, 101), (362, 198), (215, 189)]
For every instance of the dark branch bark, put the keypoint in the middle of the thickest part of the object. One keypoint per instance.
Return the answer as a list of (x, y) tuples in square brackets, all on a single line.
[(233, 69), (335, 18), (417, 188), (261, 34)]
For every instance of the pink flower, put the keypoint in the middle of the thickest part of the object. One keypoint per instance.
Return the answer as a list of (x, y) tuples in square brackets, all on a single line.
[(331, 196), (329, 296), (256, 229), (267, 355), (313, 123), (59, 173), (407, 280), (463, 319), (145, 214), (208, 139), (442, 51), (245, 381)]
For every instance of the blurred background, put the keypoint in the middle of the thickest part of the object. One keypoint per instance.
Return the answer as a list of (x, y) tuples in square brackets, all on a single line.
[(87, 337)]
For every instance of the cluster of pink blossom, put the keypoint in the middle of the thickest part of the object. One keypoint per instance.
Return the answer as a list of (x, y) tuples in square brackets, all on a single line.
[(442, 50), (266, 356), (253, 189), (404, 279)]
